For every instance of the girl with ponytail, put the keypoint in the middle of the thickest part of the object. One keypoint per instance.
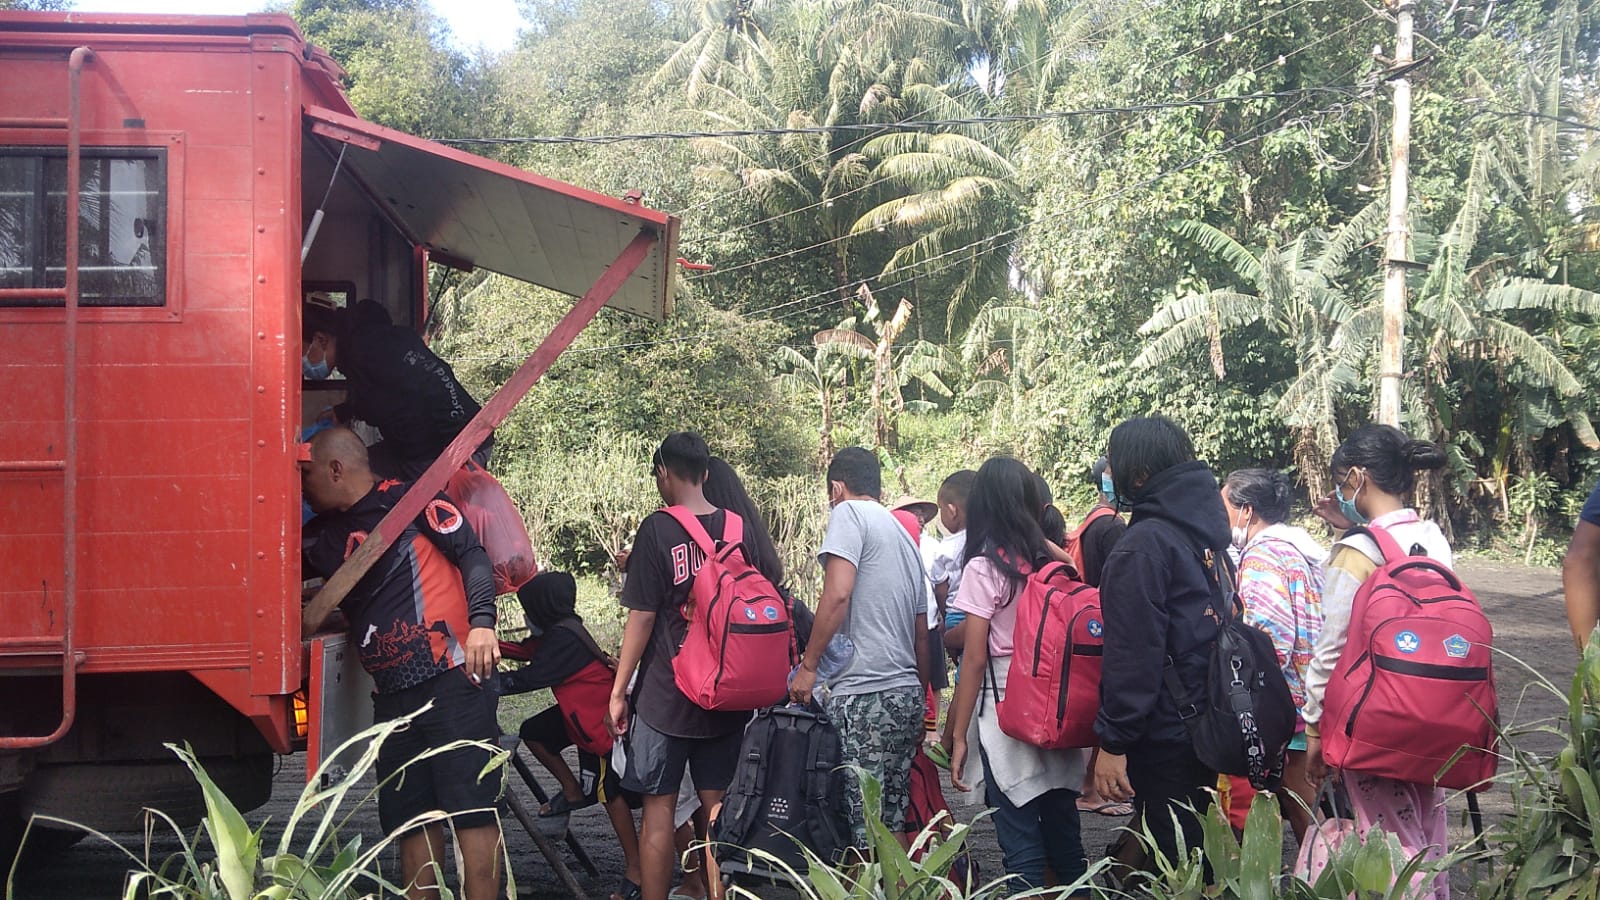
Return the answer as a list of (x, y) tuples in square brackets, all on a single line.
[(1374, 472)]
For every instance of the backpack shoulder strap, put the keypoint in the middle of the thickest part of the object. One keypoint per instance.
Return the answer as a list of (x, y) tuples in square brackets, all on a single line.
[(1388, 547), (697, 531), (732, 527), (1095, 515), (575, 625)]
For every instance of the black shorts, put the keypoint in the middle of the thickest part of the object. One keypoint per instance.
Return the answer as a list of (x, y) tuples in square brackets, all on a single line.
[(549, 730), (656, 761), (461, 711), (938, 675)]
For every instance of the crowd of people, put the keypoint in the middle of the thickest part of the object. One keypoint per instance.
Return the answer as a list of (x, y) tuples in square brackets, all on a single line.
[(901, 614)]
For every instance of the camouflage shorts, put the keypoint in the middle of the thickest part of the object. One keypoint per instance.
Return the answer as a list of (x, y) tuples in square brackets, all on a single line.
[(878, 734)]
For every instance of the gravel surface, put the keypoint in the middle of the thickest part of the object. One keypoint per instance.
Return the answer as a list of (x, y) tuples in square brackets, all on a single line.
[(1524, 605)]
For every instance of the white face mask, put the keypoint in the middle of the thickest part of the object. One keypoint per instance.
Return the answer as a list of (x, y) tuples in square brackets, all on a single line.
[(1241, 532)]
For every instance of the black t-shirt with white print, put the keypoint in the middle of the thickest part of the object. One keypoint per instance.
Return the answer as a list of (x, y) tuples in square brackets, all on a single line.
[(660, 574)]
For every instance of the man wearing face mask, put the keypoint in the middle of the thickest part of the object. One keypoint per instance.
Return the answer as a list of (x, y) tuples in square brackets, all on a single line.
[(1091, 542), (394, 383)]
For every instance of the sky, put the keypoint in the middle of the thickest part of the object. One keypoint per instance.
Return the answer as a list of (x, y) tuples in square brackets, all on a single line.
[(490, 23)]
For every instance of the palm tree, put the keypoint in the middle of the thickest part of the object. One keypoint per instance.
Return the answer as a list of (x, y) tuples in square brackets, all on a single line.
[(823, 374), (1294, 293)]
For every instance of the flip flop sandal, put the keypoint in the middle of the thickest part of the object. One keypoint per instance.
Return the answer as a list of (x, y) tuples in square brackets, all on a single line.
[(937, 754), (1113, 809), (627, 890), (559, 805)]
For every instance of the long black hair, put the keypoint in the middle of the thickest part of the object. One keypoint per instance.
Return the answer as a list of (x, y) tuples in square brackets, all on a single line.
[(723, 488), (1390, 457), (1142, 448), (1003, 517)]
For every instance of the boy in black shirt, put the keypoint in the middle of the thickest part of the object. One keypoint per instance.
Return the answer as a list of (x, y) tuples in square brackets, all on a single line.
[(666, 731)]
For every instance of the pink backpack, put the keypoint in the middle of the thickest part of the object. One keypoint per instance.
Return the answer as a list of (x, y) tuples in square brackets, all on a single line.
[(1414, 687), (1053, 689), (740, 646)]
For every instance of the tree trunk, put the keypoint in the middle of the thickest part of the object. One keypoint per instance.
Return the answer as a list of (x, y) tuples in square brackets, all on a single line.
[(825, 448)]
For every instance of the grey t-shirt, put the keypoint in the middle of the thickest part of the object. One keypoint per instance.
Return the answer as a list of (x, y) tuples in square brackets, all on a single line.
[(889, 594)]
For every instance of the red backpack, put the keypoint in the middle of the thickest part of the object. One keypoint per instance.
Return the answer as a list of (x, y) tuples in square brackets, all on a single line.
[(1414, 687), (1053, 690), (740, 646), (585, 698), (1074, 546)]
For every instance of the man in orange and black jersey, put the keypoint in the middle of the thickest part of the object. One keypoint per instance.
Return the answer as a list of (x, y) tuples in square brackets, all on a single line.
[(423, 619)]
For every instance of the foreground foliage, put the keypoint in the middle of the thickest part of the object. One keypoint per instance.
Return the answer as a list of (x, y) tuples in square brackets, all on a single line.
[(226, 859)]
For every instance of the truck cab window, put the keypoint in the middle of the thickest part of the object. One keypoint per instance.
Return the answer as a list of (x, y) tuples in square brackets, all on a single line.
[(122, 208)]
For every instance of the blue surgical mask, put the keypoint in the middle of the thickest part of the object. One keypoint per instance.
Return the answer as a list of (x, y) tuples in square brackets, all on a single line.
[(1107, 489), (314, 371), (1347, 505)]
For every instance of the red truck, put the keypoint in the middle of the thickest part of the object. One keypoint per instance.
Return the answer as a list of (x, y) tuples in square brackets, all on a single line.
[(150, 584)]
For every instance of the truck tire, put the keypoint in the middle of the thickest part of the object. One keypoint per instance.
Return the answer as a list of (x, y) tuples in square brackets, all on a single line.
[(113, 797), (42, 841)]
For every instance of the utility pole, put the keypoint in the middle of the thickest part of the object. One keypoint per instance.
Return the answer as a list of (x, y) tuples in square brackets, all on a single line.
[(1397, 255)]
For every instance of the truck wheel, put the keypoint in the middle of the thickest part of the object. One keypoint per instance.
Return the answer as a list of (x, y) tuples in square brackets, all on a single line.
[(42, 841), (113, 797)]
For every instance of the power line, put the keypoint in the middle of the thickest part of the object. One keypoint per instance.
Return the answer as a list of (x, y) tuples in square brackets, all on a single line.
[(907, 125), (1189, 103), (975, 246), (976, 88)]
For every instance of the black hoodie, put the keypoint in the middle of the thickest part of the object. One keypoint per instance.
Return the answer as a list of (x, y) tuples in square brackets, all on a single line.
[(1157, 599)]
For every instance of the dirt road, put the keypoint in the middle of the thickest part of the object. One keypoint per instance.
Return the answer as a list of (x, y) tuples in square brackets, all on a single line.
[(1524, 604)]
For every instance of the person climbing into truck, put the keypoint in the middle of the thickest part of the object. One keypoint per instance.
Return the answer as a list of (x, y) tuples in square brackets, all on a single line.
[(563, 656), (423, 619), (393, 383)]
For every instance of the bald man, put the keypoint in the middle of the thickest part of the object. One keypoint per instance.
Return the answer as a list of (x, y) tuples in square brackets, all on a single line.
[(423, 620)]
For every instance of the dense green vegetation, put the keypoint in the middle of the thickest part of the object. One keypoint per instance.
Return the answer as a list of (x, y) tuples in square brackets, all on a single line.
[(1110, 209)]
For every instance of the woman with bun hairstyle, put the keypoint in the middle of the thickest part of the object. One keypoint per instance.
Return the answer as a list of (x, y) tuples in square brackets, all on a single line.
[(1374, 472), (1032, 790), (1280, 585)]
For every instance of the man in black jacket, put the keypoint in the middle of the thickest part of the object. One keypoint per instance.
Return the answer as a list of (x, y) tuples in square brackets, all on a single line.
[(1158, 594), (395, 384)]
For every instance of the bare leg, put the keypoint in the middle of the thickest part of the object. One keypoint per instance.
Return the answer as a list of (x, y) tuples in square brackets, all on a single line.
[(1298, 797), (557, 764), (655, 845), (480, 857), (627, 838), (710, 806), (421, 852), (694, 882)]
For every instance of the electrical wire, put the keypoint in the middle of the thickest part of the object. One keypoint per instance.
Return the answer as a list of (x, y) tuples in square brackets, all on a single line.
[(1228, 148), (1189, 103)]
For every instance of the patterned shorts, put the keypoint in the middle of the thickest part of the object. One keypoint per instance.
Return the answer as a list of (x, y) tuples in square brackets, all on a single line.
[(879, 734)]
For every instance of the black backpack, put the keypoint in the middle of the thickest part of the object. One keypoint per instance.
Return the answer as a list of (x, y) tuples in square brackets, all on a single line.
[(1242, 718), (787, 792)]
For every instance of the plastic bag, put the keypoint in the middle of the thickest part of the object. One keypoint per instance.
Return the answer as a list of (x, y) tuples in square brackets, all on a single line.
[(1324, 838), (490, 512)]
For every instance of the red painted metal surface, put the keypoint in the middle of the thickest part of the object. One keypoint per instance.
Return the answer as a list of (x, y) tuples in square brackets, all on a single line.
[(488, 418), (68, 467), (148, 486), (492, 216)]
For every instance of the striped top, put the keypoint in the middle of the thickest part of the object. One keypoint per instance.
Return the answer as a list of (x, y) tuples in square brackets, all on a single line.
[(1280, 585)]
